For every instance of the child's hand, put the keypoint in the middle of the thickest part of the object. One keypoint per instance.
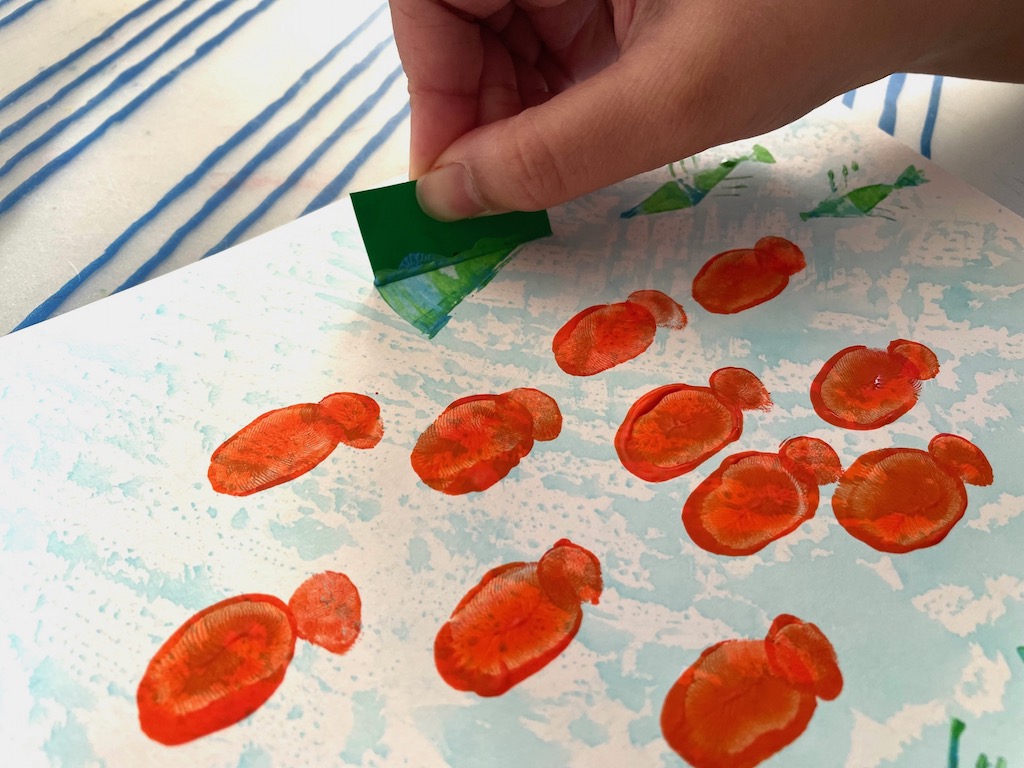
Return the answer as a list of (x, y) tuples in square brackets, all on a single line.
[(524, 104)]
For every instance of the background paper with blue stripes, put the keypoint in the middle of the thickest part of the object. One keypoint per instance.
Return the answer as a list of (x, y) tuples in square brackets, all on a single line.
[(136, 137)]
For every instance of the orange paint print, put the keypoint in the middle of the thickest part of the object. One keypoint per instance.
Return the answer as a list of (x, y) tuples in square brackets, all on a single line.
[(478, 440), (901, 499), (284, 444), (217, 669), (222, 664), (327, 611), (755, 498), (518, 619), (737, 280), (674, 428), (601, 337), (863, 388), (743, 701)]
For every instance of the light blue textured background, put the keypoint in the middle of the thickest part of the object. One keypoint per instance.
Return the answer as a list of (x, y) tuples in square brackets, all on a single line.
[(110, 536)]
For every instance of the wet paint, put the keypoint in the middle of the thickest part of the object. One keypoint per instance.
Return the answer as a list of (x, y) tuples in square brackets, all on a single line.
[(217, 669), (672, 429), (327, 611), (284, 444), (740, 279), (517, 620), (687, 193), (222, 664), (902, 499), (743, 701), (865, 388), (862, 201), (755, 498), (601, 337), (478, 440)]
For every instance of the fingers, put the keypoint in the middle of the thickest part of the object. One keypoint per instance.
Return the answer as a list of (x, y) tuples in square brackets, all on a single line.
[(616, 124), (442, 54)]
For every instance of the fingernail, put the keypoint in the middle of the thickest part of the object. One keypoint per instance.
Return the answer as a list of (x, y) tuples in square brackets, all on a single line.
[(447, 194)]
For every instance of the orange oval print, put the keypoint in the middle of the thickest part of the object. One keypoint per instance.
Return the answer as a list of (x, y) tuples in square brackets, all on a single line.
[(864, 388), (284, 444), (754, 498), (599, 338), (737, 280), (743, 701), (674, 428), (216, 669), (518, 619), (478, 440), (901, 499)]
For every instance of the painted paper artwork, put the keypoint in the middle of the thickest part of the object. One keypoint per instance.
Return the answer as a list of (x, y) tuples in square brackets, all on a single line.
[(743, 278), (253, 517), (601, 337), (286, 443), (517, 620), (756, 498), (744, 700)]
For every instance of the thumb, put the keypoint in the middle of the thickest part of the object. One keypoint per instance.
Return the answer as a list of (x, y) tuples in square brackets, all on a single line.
[(616, 124)]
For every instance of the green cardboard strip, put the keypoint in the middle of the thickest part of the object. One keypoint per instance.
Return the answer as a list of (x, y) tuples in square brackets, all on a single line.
[(423, 267)]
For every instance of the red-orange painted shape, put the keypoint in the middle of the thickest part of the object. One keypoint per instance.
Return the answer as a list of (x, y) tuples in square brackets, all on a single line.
[(284, 444), (674, 428), (601, 337), (743, 701), (864, 388), (327, 611), (754, 498), (216, 669), (478, 440), (902, 499), (518, 619), (737, 280)]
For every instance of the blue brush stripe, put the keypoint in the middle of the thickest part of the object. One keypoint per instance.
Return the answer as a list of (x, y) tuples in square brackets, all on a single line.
[(75, 55), (16, 14), (37, 178), (118, 82), (330, 193), (32, 114), (271, 148), (53, 302), (887, 122), (929, 119), (848, 98), (360, 112)]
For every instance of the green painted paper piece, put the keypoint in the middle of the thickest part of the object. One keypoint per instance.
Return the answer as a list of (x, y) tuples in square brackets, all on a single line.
[(1020, 652), (426, 299), (423, 267), (402, 241)]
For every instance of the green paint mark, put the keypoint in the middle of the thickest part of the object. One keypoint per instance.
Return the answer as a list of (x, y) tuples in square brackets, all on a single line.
[(1020, 652), (832, 180), (862, 200), (956, 730), (404, 244), (679, 193), (854, 166)]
